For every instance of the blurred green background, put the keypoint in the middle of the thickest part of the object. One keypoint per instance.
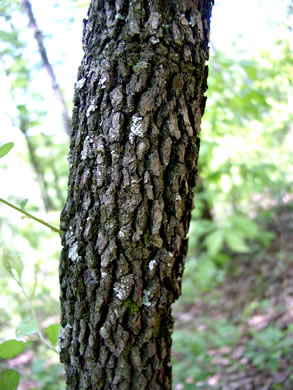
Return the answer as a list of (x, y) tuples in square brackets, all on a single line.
[(233, 323)]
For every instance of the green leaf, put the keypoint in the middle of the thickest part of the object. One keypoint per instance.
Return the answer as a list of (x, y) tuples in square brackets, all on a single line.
[(246, 226), (26, 328), (52, 333), (9, 380), (4, 149), (235, 241), (214, 242), (221, 259), (202, 226), (23, 203), (205, 274), (11, 348), (12, 262)]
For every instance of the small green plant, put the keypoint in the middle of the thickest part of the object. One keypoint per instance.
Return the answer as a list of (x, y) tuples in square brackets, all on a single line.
[(231, 234), (267, 347), (30, 326), (200, 274), (253, 306), (48, 379), (192, 357)]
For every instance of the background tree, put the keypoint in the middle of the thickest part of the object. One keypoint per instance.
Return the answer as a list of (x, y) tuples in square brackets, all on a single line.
[(138, 101), (47, 65)]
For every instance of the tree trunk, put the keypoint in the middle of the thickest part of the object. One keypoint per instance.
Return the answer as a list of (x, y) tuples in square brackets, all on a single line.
[(27, 7), (138, 102), (24, 124)]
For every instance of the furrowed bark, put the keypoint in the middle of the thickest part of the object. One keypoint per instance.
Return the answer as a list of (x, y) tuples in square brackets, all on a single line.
[(138, 103)]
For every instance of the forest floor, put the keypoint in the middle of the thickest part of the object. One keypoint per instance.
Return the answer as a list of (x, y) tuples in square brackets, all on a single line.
[(256, 301)]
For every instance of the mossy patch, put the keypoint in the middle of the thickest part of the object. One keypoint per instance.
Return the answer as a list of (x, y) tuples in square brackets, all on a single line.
[(131, 306)]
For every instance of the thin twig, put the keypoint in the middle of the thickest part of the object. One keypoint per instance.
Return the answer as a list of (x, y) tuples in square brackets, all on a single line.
[(39, 330), (30, 216)]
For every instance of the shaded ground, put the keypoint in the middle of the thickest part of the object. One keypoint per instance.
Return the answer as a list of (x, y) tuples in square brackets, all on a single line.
[(256, 299)]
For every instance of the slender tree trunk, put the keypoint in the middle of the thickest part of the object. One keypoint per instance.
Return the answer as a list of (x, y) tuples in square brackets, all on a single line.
[(138, 101), (47, 65), (36, 166), (59, 193), (48, 203)]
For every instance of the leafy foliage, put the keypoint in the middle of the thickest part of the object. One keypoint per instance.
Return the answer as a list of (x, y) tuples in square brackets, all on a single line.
[(267, 347), (4, 149), (52, 333), (195, 346), (9, 380), (245, 168), (11, 348)]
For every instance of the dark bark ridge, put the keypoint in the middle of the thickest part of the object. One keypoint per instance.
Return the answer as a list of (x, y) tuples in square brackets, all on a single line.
[(138, 103)]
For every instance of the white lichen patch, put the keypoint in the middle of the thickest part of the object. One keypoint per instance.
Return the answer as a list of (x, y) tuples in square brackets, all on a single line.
[(99, 175), (146, 177), (69, 237), (114, 154), (123, 287), (62, 334), (87, 151), (140, 67), (103, 80), (119, 16), (119, 290), (92, 107), (136, 128), (154, 40), (152, 263), (103, 332), (145, 299), (100, 147), (133, 22), (80, 83), (115, 130), (121, 234), (104, 274), (72, 253), (154, 20), (178, 197), (193, 19), (183, 20)]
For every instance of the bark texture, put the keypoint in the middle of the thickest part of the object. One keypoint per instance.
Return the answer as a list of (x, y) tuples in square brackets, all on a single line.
[(138, 103)]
